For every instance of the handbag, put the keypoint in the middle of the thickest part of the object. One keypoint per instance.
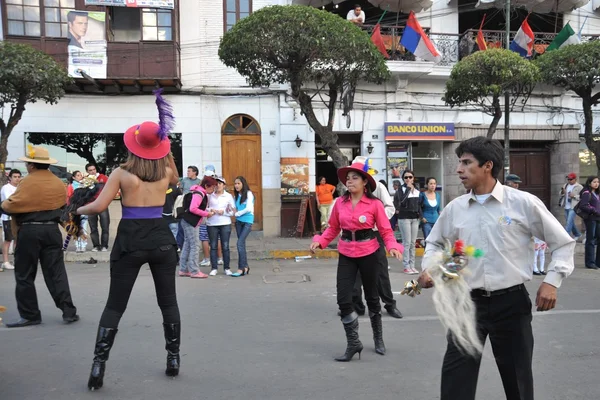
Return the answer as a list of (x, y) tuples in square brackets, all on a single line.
[(580, 211)]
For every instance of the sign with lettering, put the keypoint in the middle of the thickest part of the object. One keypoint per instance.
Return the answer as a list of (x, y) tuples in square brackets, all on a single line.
[(418, 131), (170, 4)]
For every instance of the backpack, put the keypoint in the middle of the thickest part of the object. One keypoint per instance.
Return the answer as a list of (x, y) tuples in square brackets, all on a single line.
[(178, 207), (188, 216)]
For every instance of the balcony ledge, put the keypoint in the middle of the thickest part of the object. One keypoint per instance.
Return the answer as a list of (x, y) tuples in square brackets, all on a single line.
[(414, 69)]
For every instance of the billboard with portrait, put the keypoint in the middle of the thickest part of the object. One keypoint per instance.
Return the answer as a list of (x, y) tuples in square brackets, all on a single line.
[(170, 4), (87, 44)]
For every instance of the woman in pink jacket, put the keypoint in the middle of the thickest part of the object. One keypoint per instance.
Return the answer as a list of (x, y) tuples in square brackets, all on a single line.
[(194, 205), (355, 214)]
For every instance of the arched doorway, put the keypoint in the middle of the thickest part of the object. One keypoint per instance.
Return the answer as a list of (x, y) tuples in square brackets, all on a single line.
[(241, 154)]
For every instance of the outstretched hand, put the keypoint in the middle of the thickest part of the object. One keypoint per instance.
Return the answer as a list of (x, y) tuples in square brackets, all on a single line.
[(425, 280), (314, 246), (395, 253), (546, 297)]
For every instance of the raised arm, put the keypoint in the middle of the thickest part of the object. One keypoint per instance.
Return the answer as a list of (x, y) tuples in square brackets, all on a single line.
[(108, 193)]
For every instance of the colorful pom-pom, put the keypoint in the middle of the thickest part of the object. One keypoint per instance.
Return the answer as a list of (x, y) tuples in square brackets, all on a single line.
[(470, 251), (478, 253), (459, 246)]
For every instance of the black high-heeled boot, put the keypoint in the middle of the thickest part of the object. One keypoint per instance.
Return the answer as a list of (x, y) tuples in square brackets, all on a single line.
[(354, 345), (377, 332), (172, 340), (104, 342)]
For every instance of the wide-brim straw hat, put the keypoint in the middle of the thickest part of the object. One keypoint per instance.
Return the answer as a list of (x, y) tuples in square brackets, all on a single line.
[(38, 155), (361, 165)]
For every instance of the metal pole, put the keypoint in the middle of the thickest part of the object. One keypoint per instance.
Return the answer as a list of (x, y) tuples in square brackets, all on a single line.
[(507, 103)]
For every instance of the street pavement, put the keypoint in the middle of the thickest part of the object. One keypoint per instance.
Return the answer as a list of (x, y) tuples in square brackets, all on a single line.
[(273, 335)]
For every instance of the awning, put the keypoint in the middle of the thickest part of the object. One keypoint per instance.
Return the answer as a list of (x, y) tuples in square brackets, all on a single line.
[(316, 3), (404, 6), (538, 6)]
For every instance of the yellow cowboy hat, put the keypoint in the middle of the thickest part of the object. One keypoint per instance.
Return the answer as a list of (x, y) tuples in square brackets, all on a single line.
[(38, 155)]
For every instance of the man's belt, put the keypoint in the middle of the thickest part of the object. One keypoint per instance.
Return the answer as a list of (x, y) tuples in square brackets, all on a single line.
[(39, 223), (363, 235), (487, 293)]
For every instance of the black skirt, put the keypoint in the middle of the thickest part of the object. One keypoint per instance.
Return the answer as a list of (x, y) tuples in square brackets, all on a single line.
[(141, 234)]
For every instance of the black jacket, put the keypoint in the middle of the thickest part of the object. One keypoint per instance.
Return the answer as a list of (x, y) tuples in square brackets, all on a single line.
[(407, 207), (172, 193)]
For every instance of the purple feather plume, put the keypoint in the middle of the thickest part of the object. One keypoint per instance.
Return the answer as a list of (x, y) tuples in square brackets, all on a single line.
[(166, 120)]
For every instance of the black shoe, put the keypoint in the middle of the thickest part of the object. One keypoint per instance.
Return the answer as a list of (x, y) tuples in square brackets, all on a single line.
[(23, 322), (104, 341), (377, 332), (353, 342), (394, 312), (543, 272), (536, 273), (591, 266), (173, 341), (69, 320)]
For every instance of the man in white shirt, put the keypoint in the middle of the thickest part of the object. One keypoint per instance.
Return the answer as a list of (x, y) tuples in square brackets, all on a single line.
[(501, 221), (356, 16), (14, 177), (569, 197)]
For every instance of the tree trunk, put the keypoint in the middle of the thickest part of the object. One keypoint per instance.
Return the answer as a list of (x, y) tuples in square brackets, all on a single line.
[(592, 145), (16, 112), (497, 116)]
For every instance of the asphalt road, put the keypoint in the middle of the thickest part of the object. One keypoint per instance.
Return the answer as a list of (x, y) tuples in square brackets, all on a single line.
[(273, 335)]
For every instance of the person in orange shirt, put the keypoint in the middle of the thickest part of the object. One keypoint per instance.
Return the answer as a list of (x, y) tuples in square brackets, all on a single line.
[(324, 200)]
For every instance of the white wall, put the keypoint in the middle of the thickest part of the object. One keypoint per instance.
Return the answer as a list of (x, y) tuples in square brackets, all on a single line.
[(577, 17), (441, 17)]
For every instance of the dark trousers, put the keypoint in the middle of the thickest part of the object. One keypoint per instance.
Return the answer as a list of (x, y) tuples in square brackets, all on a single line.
[(124, 272), (224, 233), (506, 318), (104, 217), (346, 276), (41, 243), (592, 250), (384, 286)]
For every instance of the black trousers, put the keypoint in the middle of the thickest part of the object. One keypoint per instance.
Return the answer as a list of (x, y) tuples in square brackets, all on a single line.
[(346, 276), (506, 319), (104, 217), (384, 286), (43, 244), (124, 272)]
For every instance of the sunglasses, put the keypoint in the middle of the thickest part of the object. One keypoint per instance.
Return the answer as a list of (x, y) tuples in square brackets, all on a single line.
[(408, 177)]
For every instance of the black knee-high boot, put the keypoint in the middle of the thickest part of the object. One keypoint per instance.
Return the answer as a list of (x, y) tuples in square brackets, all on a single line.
[(354, 345), (104, 342), (377, 332), (172, 340)]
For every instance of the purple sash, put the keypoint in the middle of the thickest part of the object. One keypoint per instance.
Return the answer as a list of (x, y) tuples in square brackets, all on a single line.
[(142, 212)]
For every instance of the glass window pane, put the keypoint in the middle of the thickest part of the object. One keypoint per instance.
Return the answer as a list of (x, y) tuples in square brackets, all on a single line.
[(63, 14), (65, 30), (243, 15), (14, 12), (229, 27), (231, 19), (150, 33), (32, 29), (164, 19), (31, 3), (31, 13), (20, 2), (149, 19), (67, 3), (245, 6), (16, 28), (164, 33), (230, 5), (52, 14), (51, 3), (53, 30)]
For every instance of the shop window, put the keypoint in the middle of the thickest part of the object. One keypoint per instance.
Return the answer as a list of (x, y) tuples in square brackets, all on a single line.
[(427, 162), (74, 150), (156, 24), (234, 10)]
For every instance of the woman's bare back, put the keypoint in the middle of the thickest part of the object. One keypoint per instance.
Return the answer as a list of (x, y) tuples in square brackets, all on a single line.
[(137, 193)]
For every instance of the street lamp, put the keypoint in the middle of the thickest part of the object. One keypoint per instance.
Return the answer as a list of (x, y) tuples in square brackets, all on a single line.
[(370, 148), (298, 141)]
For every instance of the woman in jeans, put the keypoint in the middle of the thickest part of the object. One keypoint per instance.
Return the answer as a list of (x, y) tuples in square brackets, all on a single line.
[(408, 210), (431, 204), (244, 218), (195, 204), (590, 204), (143, 237), (219, 225)]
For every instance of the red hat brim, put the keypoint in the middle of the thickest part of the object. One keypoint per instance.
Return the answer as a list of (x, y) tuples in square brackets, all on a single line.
[(342, 173), (155, 153)]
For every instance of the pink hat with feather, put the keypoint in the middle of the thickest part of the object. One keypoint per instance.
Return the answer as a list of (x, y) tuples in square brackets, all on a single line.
[(150, 140)]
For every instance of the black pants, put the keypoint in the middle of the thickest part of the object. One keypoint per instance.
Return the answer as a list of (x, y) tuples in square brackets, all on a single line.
[(104, 217), (384, 286), (41, 243), (124, 272), (346, 276), (507, 320)]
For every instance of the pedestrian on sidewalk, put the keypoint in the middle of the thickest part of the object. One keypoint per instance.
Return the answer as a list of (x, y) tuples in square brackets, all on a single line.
[(590, 205), (355, 214), (143, 236), (569, 197), (81, 241), (407, 201), (100, 243), (36, 207), (431, 206), (209, 171), (219, 226), (324, 193), (244, 218), (14, 177), (384, 286), (190, 180)]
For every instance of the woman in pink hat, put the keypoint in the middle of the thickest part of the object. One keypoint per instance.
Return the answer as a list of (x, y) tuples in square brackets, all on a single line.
[(355, 214), (143, 236)]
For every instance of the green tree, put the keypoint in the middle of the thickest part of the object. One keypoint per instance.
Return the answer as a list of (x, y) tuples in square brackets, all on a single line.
[(481, 78), (316, 52), (26, 75), (577, 68)]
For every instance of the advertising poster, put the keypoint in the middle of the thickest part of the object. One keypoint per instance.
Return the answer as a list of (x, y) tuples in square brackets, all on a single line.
[(132, 3), (294, 177), (87, 44), (395, 167)]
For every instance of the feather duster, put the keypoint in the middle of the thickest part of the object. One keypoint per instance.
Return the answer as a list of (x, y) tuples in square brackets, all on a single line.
[(83, 195)]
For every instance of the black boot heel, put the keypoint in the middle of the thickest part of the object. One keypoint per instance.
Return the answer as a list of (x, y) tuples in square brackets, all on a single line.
[(104, 342), (377, 333), (353, 342), (173, 341)]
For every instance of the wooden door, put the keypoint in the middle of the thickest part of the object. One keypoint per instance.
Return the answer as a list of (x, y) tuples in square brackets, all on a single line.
[(533, 167), (241, 155)]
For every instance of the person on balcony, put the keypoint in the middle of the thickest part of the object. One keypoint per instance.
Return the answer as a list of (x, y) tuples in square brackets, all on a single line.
[(356, 16)]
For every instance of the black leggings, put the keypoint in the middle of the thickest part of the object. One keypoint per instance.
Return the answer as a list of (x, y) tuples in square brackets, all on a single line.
[(124, 272), (368, 266)]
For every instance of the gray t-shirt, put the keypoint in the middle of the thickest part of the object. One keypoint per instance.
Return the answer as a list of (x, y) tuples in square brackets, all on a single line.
[(187, 183)]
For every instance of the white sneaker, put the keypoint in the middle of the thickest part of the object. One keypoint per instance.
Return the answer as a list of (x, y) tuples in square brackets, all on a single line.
[(228, 272), (8, 265), (213, 272), (95, 249), (205, 262), (104, 249), (220, 262)]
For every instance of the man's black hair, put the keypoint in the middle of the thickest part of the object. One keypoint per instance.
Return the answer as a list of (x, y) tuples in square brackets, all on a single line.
[(357, 6), (41, 166), (193, 168), (484, 150), (91, 165), (74, 14), (14, 171)]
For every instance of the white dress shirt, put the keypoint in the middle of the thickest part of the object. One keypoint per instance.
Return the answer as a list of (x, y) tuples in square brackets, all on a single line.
[(220, 202), (503, 227)]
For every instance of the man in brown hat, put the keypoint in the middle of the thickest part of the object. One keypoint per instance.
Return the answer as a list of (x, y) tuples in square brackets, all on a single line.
[(36, 207)]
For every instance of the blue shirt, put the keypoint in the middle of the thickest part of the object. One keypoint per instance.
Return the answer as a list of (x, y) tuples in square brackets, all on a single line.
[(245, 211), (430, 213)]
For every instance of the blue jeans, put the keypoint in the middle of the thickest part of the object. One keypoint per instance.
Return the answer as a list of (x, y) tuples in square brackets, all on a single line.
[(180, 236), (243, 230), (214, 232), (427, 226), (592, 250), (174, 227), (571, 227), (394, 222), (189, 253)]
